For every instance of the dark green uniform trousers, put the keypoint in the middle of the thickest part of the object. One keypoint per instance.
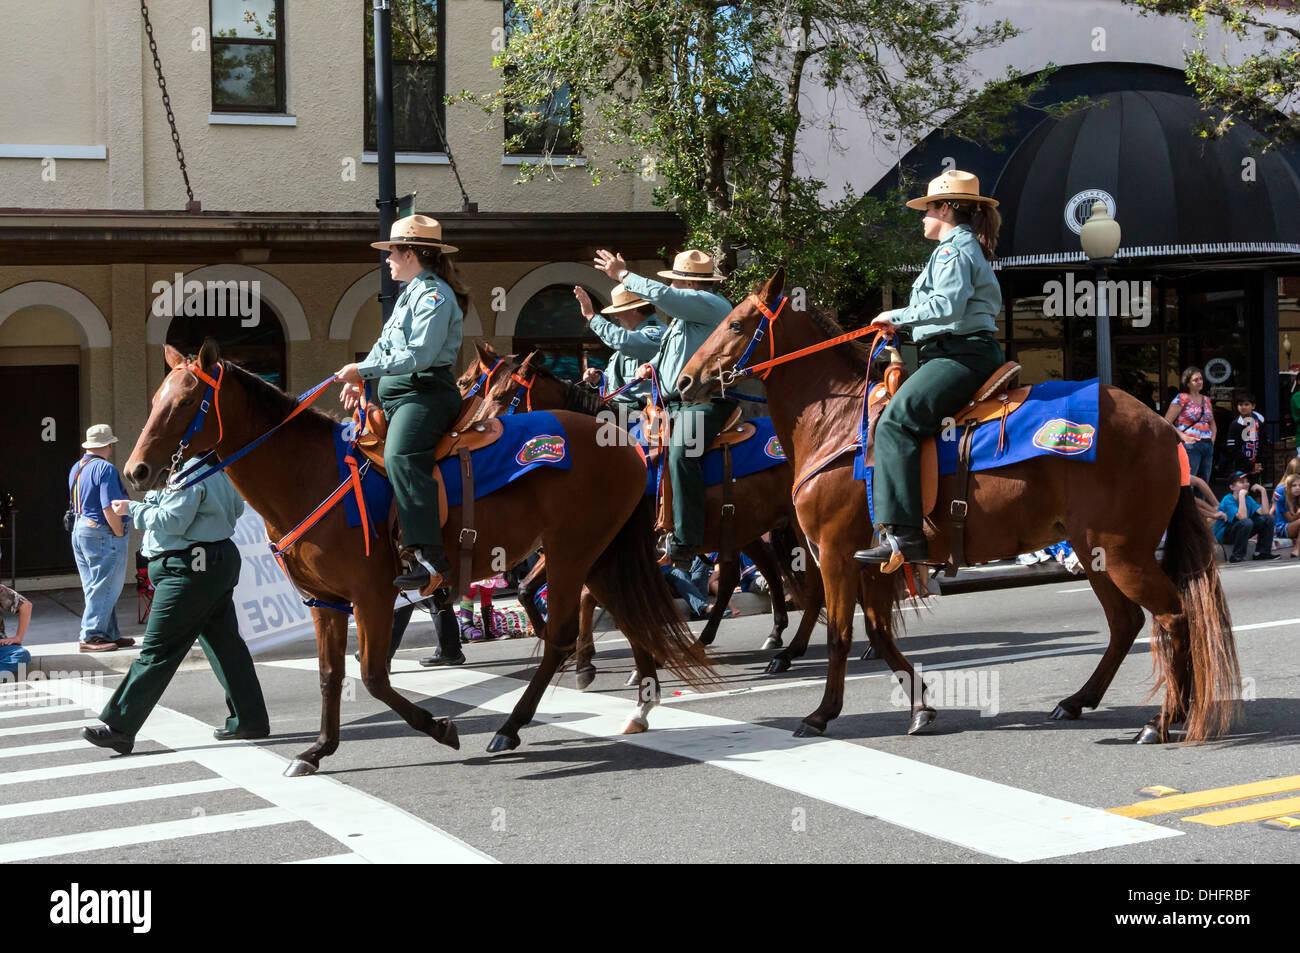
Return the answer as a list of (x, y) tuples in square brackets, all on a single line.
[(694, 427), (190, 603), (420, 407), (951, 368)]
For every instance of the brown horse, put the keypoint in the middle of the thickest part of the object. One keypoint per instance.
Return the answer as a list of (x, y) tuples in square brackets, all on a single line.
[(590, 517), (761, 502), (1114, 509)]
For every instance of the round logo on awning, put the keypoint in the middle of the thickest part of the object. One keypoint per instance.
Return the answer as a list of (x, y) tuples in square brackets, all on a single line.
[(1079, 207)]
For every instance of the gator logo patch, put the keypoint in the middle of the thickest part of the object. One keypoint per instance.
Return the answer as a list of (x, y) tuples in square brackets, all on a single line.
[(1064, 437), (544, 448), (773, 449)]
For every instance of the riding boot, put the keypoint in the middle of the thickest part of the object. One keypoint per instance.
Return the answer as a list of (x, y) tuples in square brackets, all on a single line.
[(421, 572), (911, 543)]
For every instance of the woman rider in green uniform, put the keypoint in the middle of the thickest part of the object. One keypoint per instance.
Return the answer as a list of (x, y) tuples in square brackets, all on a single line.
[(412, 361), (951, 316)]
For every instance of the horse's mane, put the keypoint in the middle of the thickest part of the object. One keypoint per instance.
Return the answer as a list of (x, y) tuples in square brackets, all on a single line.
[(579, 399), (269, 399), (856, 353)]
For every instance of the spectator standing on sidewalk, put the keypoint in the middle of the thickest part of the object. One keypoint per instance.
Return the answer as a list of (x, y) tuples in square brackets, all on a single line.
[(99, 540), (1244, 443), (1241, 518), (1192, 415)]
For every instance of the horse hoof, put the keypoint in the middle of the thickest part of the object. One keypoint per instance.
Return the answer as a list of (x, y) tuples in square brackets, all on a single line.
[(778, 665), (869, 654), (1061, 713), (1149, 736), (585, 677), (448, 735), (299, 768), (634, 726), (806, 730), (773, 642), (633, 679), (920, 720), (501, 743)]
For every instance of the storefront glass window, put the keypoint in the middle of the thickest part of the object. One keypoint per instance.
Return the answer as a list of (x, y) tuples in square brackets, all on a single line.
[(552, 321)]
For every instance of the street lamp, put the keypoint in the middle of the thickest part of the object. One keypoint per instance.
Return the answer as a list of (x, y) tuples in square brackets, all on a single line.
[(1099, 237)]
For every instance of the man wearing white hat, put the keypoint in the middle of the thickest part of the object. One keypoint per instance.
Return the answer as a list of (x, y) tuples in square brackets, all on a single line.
[(99, 539), (634, 333), (696, 310)]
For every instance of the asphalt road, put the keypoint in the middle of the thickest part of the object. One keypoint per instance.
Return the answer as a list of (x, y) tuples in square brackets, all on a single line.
[(718, 777)]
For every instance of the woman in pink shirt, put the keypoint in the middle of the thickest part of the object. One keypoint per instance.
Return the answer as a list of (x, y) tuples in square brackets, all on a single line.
[(1192, 415)]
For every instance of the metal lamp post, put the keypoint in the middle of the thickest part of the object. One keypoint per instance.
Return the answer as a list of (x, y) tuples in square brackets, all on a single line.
[(387, 201), (1100, 240)]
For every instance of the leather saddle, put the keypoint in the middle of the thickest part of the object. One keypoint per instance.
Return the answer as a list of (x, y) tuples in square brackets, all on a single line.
[(735, 431), (995, 399), (462, 435)]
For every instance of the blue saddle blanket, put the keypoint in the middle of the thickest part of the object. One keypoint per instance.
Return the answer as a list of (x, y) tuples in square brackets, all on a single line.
[(528, 441), (760, 452)]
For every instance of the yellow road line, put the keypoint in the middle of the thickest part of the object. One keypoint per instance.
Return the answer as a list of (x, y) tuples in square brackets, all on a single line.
[(1209, 798), (1252, 812)]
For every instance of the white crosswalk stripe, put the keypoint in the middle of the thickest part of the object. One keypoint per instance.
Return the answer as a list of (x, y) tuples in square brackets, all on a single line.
[(369, 829)]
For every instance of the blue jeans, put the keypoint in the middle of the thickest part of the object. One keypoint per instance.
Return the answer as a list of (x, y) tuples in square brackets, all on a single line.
[(101, 560), (12, 656), (691, 586), (1201, 455)]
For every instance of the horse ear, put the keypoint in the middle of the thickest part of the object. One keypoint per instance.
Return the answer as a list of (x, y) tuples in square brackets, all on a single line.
[(173, 357), (209, 354), (486, 354), (775, 285), (534, 357)]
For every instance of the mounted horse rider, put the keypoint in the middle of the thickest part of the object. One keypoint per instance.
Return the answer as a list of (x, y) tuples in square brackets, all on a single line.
[(951, 315), (413, 361), (633, 331), (695, 311)]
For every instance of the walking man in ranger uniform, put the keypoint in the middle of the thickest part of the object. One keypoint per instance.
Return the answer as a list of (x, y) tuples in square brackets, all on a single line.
[(695, 311)]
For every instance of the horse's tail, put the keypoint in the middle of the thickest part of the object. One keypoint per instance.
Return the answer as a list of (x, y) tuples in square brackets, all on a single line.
[(1216, 678), (635, 592)]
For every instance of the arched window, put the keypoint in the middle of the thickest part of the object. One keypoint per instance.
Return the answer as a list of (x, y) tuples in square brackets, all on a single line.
[(552, 320), (259, 348)]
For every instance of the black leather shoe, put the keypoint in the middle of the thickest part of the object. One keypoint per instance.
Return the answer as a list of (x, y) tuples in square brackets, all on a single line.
[(1264, 556), (417, 575), (105, 737), (241, 734), (911, 543), (438, 660)]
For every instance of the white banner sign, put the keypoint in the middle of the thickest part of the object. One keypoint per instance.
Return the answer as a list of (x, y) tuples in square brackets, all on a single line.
[(269, 608)]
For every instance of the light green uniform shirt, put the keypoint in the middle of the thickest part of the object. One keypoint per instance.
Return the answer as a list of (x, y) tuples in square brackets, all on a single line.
[(423, 331), (204, 513), (695, 314), (956, 292), (632, 348)]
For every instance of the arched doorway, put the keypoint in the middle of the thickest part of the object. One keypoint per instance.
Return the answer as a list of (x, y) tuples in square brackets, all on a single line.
[(259, 349), (552, 320)]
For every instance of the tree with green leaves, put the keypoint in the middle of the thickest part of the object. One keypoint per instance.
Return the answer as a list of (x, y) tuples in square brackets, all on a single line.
[(705, 98), (1258, 88)]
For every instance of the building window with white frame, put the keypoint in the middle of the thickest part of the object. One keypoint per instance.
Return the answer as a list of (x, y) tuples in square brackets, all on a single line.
[(547, 126), (419, 82)]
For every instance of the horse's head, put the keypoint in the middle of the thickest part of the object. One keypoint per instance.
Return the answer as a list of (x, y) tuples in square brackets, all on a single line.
[(510, 386), (717, 358), (487, 359), (176, 406)]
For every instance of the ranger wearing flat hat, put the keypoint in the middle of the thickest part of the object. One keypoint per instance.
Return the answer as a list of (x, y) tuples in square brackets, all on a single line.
[(412, 362), (951, 316), (634, 333), (696, 310)]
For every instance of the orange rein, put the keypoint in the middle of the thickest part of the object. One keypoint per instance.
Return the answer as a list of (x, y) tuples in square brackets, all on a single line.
[(774, 361)]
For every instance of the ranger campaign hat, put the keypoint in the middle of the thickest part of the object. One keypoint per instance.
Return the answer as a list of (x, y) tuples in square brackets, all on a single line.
[(415, 230), (623, 300), (692, 265), (953, 186)]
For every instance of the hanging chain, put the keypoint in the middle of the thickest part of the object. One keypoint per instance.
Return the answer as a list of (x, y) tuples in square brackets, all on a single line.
[(192, 205)]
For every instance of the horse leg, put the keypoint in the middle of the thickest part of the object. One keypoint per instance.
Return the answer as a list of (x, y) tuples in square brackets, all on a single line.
[(728, 576), (1124, 619), (878, 613), (527, 595), (648, 692), (331, 642), (815, 599), (765, 561), (1141, 579), (840, 577), (374, 624), (584, 668)]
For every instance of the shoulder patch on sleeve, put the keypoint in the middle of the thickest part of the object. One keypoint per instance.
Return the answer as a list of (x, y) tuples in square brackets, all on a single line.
[(654, 331), (431, 297), (946, 254)]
